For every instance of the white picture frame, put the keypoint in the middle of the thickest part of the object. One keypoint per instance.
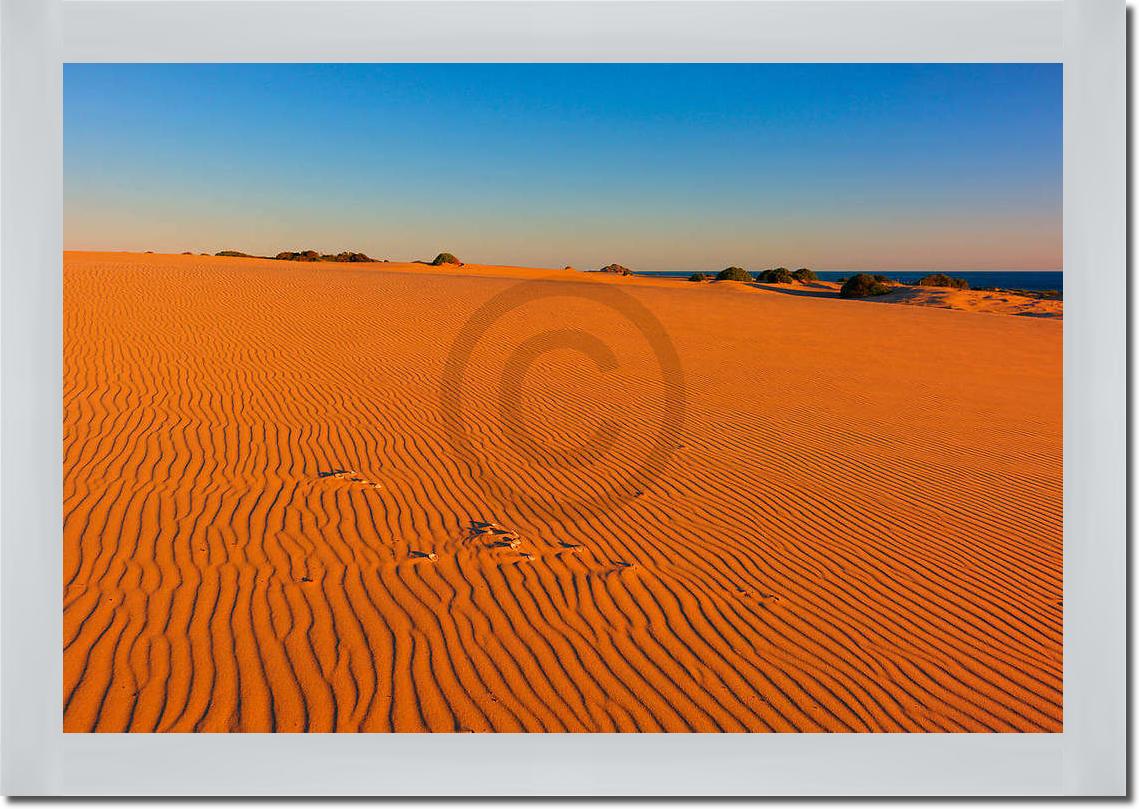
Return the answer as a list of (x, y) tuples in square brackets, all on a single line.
[(1087, 758)]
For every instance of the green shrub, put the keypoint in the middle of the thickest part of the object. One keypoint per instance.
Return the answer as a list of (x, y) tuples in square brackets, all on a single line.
[(304, 255), (445, 258), (616, 269), (347, 255), (940, 279), (312, 255), (780, 275), (733, 274), (804, 275), (698, 276), (863, 286), (234, 253)]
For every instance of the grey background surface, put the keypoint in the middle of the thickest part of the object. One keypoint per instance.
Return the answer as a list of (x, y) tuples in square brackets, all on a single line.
[(37, 36)]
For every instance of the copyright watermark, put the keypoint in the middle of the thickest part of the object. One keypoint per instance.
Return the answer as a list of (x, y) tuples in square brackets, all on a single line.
[(613, 478)]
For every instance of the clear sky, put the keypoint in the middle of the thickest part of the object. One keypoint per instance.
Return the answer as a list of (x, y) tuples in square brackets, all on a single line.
[(651, 166)]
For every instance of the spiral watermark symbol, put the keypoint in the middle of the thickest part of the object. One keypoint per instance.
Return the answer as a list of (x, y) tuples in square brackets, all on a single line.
[(606, 491)]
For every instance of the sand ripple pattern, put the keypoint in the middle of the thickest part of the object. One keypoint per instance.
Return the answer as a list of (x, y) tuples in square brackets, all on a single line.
[(265, 529)]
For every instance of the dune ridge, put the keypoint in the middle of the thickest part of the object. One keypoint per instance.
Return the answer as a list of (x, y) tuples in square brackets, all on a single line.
[(266, 529)]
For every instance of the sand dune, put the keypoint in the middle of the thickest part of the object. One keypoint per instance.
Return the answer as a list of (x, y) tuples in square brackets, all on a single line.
[(996, 302), (268, 525), (989, 302)]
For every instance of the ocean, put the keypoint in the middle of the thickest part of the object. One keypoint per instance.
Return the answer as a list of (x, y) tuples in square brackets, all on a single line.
[(1004, 279)]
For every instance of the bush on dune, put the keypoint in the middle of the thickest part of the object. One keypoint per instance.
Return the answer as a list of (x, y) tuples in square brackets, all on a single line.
[(445, 258), (805, 276), (940, 279), (233, 253), (780, 275), (348, 256), (733, 274), (864, 285), (698, 276), (616, 269), (303, 255), (312, 255)]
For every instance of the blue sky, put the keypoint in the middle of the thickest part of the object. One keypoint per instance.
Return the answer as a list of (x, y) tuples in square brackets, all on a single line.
[(652, 166)]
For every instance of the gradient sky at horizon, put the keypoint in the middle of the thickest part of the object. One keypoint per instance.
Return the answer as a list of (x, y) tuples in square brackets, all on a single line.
[(657, 167)]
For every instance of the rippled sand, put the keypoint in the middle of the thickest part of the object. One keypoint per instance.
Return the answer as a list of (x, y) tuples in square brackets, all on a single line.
[(316, 497)]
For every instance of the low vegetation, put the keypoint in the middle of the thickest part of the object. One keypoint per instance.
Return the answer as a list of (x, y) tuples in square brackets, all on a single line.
[(1039, 294), (446, 258), (348, 256), (616, 269), (940, 279), (312, 255), (733, 274), (233, 253), (780, 275), (301, 255), (804, 275), (865, 285), (698, 276)]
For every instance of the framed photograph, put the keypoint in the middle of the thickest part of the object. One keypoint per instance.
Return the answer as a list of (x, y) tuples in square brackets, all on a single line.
[(576, 398)]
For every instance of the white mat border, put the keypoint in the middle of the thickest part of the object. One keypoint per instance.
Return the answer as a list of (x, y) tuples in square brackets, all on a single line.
[(37, 36)]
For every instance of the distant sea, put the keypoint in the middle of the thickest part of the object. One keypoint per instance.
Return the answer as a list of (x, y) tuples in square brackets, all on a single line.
[(1023, 279)]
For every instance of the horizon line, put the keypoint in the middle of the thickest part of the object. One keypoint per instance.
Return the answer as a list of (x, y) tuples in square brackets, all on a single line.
[(709, 268)]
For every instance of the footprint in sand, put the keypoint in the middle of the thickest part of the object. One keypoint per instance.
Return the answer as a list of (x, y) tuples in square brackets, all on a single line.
[(349, 476), (764, 599), (571, 550), (478, 528), (619, 568), (497, 536)]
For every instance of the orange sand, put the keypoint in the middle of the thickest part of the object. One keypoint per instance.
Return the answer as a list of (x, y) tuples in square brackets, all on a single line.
[(992, 302), (856, 528)]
